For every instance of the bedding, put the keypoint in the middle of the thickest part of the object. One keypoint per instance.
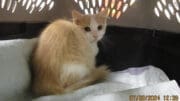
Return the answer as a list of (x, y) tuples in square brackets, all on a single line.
[(165, 91), (14, 70), (147, 80), (15, 79)]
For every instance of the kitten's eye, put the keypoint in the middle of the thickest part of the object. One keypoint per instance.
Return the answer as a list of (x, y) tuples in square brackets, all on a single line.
[(87, 29), (100, 27)]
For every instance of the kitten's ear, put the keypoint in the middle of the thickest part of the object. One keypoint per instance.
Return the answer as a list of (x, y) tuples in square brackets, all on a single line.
[(76, 14), (104, 13)]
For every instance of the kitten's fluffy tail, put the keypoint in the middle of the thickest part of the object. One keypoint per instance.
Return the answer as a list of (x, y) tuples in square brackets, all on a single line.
[(97, 75)]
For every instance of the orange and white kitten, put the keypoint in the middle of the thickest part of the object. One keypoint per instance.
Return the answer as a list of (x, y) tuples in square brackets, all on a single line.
[(64, 59)]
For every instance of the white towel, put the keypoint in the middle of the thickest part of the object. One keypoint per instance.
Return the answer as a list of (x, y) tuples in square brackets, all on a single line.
[(139, 76), (162, 91), (122, 81)]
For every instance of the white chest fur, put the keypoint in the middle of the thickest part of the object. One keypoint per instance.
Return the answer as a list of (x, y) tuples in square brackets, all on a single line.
[(77, 69), (94, 48)]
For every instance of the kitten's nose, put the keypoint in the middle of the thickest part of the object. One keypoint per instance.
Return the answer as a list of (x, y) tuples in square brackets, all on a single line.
[(95, 36)]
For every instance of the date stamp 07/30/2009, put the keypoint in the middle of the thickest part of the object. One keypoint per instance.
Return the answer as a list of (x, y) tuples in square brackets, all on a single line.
[(154, 98)]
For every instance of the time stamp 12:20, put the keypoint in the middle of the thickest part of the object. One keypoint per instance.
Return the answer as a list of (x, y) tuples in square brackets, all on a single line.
[(153, 98)]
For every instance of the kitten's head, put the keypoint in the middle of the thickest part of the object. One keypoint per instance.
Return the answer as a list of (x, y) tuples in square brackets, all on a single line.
[(94, 26)]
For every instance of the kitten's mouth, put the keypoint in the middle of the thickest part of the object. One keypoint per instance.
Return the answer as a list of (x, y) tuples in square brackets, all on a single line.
[(94, 40)]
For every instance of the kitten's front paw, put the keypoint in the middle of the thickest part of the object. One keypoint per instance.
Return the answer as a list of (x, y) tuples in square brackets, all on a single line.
[(102, 71)]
